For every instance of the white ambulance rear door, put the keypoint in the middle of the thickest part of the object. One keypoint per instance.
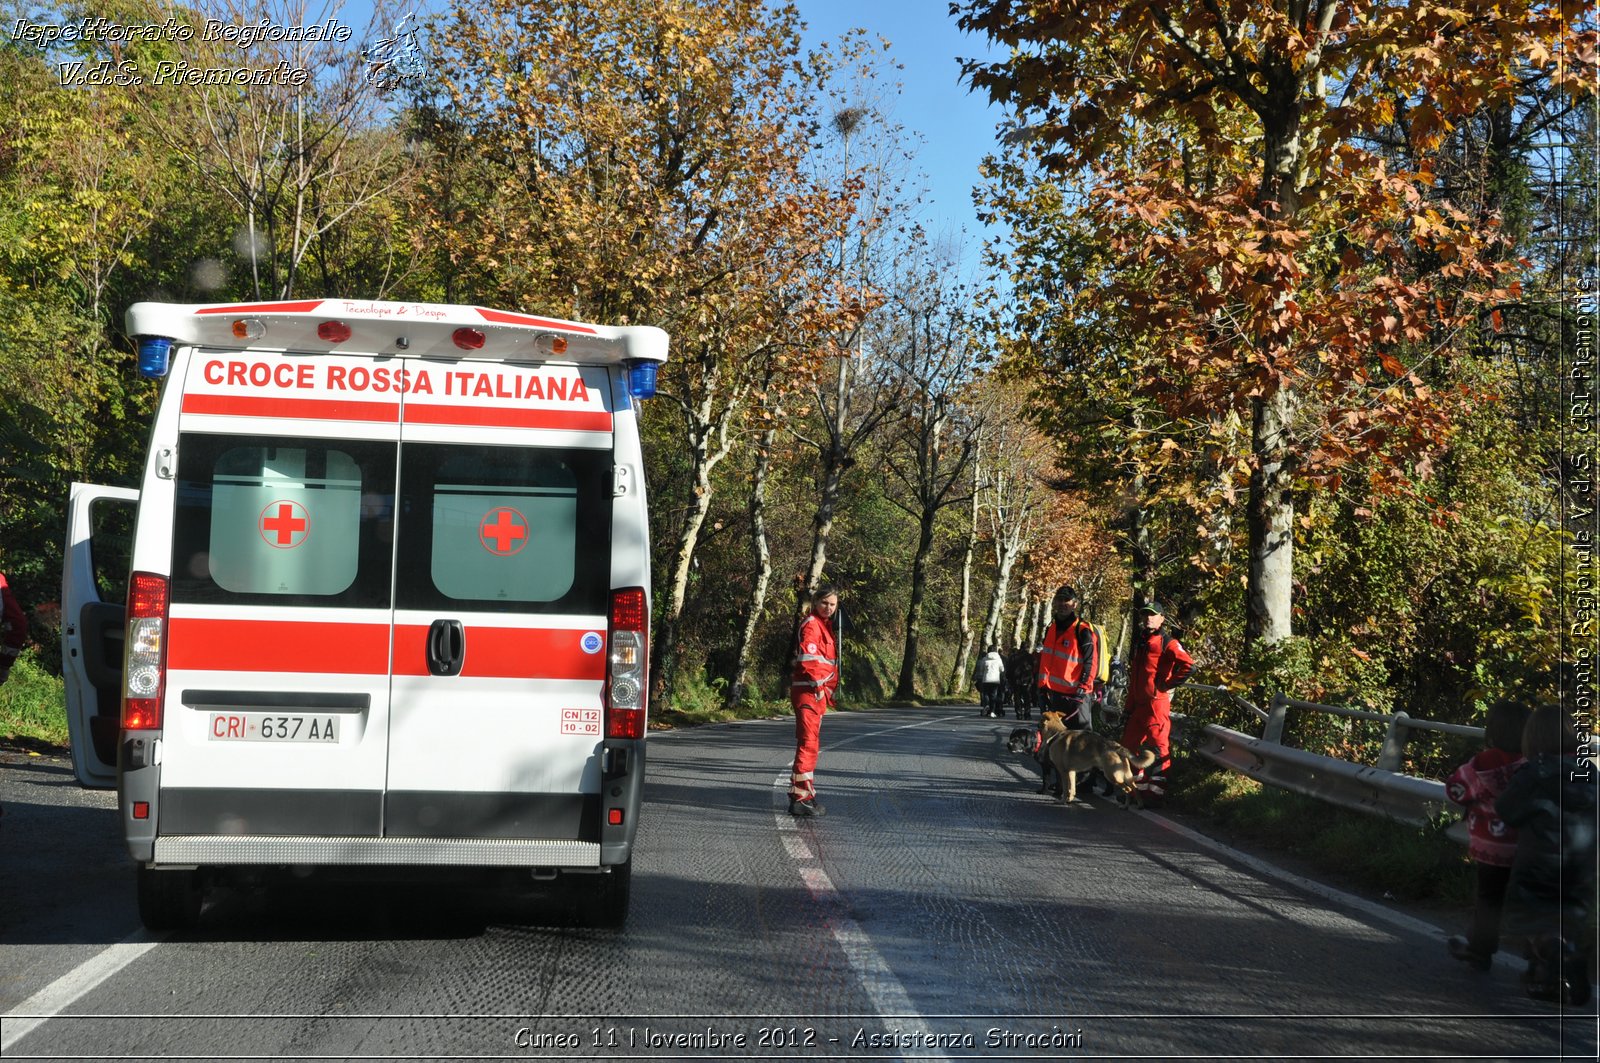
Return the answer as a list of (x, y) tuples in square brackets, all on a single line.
[(502, 587), (277, 685), (94, 588)]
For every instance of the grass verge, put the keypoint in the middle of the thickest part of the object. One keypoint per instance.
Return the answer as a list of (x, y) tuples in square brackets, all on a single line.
[(33, 706), (1370, 853)]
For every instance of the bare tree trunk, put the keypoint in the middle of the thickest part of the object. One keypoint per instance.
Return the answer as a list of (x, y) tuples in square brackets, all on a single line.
[(705, 429), (762, 555), (1041, 621), (835, 459), (1140, 546), (906, 688), (1271, 523), (958, 677), (1024, 605), (821, 529), (1270, 509), (1002, 586)]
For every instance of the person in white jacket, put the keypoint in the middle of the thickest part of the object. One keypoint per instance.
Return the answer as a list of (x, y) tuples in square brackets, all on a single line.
[(990, 676)]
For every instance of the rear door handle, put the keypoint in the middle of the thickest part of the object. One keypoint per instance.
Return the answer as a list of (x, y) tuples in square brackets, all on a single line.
[(447, 647)]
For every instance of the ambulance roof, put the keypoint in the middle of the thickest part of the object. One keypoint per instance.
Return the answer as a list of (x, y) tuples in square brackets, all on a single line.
[(361, 326)]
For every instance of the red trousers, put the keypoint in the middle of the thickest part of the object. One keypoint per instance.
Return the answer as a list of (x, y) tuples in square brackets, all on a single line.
[(808, 710), (1152, 725)]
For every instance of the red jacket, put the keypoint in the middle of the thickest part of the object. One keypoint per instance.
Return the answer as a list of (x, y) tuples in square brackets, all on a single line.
[(816, 661), (13, 624), (1153, 673), (1475, 786)]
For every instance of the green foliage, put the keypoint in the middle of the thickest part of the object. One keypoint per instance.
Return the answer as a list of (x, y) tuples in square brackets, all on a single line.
[(695, 700), (33, 704)]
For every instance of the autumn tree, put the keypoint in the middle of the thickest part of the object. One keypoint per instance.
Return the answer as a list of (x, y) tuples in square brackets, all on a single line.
[(1014, 496), (1274, 271), (1093, 387), (648, 166), (302, 159), (926, 331)]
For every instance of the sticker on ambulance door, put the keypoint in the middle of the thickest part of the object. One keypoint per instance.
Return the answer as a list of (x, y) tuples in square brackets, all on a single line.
[(580, 721), (504, 531), (285, 525)]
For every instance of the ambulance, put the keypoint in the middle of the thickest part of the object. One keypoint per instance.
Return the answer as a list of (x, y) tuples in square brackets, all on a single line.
[(387, 600)]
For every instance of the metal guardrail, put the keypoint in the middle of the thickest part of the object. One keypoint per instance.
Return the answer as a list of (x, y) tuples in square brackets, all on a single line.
[(1379, 789)]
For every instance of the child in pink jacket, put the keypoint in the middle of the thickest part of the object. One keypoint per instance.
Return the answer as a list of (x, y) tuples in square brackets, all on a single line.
[(1491, 844)]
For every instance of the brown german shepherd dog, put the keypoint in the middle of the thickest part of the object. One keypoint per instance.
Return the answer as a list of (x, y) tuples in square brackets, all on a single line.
[(1069, 752)]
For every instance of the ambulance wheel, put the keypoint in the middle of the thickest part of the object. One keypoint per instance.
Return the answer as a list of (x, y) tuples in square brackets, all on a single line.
[(169, 900), (605, 903)]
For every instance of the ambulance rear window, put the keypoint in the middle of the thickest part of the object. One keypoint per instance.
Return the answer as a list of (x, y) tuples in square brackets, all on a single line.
[(504, 529), (279, 521)]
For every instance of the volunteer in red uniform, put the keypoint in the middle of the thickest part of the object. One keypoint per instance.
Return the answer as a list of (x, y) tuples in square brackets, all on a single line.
[(13, 628), (1067, 664), (811, 690), (1156, 665)]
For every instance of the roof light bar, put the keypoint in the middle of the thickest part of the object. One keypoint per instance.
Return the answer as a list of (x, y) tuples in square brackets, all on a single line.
[(548, 343)]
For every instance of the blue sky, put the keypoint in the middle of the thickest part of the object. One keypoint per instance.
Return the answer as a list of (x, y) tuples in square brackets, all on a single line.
[(956, 126)]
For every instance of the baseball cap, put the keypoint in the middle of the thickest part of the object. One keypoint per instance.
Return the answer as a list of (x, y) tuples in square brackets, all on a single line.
[(1153, 606)]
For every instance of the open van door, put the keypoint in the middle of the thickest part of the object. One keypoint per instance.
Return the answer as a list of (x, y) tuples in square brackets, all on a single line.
[(94, 580)]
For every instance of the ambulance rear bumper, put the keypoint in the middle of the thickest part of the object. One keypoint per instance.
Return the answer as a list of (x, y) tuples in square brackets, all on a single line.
[(196, 849)]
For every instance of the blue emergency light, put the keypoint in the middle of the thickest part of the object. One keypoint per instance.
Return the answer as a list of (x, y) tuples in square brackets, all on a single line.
[(154, 356), (642, 378)]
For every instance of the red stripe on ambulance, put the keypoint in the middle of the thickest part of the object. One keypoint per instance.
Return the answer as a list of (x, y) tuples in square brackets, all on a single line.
[(505, 653), (501, 317), (271, 645), (510, 417), (303, 307), (293, 409)]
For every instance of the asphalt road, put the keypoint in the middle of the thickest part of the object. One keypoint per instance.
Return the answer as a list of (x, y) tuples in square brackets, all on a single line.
[(941, 910)]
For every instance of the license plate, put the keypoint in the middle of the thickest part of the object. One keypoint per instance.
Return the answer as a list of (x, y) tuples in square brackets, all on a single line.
[(260, 727)]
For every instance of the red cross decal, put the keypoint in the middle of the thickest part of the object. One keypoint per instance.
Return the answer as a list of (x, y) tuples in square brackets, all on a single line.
[(285, 524), (504, 531)]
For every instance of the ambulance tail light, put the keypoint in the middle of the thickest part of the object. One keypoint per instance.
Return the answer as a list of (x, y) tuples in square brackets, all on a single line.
[(333, 331), (145, 674), (627, 644)]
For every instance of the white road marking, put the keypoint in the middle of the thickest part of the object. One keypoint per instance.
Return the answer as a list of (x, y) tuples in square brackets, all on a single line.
[(59, 995), (888, 997)]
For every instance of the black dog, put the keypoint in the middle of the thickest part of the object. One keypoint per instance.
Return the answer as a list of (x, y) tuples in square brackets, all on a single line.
[(1032, 741)]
